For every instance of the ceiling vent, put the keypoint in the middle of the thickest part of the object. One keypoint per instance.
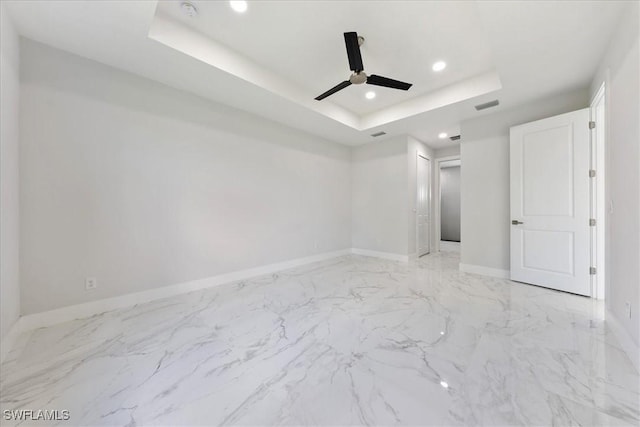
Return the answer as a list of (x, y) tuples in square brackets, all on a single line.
[(455, 137), (487, 105), (377, 134)]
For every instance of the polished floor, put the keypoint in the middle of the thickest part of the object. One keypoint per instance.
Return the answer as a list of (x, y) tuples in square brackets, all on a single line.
[(350, 341)]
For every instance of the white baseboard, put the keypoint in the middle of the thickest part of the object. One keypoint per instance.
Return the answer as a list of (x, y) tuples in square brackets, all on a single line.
[(376, 254), (9, 340), (78, 311), (446, 246), (485, 271), (629, 347)]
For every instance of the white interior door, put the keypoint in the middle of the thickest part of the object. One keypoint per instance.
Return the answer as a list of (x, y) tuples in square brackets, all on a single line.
[(550, 239), (423, 205)]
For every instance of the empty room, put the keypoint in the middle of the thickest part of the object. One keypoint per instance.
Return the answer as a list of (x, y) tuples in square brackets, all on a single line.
[(328, 213)]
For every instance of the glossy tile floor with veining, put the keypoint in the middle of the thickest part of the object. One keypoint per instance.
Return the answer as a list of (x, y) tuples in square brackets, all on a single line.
[(349, 341)]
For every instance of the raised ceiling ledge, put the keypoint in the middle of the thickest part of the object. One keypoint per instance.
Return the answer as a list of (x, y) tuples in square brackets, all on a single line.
[(452, 94), (188, 41)]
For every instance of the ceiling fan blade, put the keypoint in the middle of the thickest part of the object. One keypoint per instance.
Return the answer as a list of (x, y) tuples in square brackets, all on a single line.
[(353, 51), (387, 82), (333, 90)]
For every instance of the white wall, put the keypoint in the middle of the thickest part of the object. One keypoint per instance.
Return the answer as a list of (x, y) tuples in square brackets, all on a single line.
[(485, 222), (453, 150), (620, 70), (415, 148), (380, 198), (385, 195), (142, 186), (9, 175)]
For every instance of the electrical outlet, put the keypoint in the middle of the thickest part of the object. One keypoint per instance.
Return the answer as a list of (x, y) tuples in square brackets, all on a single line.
[(90, 283), (627, 309)]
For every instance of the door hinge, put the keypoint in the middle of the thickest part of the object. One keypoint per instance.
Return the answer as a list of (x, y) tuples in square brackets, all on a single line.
[(592, 270), (592, 125), (592, 173), (592, 222)]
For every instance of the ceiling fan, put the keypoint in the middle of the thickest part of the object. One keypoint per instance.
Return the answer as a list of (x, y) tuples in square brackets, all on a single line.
[(353, 42)]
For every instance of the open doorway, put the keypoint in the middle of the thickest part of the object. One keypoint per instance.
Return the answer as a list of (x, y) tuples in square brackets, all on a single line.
[(448, 209)]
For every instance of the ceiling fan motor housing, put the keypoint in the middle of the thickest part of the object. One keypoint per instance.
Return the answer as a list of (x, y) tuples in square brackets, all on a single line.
[(358, 78)]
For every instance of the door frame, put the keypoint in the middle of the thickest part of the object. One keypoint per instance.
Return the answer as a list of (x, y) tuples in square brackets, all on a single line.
[(437, 204), (429, 198), (598, 192)]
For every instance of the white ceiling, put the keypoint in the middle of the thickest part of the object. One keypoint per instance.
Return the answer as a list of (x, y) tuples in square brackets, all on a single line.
[(303, 42), (277, 57)]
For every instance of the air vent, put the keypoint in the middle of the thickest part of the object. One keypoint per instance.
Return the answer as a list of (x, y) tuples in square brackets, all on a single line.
[(487, 105), (377, 134), (454, 137)]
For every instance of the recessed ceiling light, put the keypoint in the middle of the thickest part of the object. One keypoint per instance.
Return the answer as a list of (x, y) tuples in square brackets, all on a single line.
[(444, 384), (442, 135), (239, 6), (439, 66), (370, 95)]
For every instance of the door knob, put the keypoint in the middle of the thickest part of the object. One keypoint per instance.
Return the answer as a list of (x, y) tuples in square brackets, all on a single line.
[(516, 222)]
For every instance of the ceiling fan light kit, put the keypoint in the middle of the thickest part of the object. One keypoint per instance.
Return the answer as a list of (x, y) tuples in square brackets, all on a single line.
[(353, 42)]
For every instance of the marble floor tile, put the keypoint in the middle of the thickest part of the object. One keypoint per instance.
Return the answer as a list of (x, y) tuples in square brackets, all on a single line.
[(348, 341)]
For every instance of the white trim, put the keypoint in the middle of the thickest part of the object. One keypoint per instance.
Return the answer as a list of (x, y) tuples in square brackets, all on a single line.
[(485, 271), (10, 339), (627, 344), (436, 200), (415, 203), (78, 311), (598, 195), (384, 255), (446, 246), (453, 163)]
